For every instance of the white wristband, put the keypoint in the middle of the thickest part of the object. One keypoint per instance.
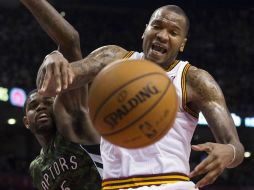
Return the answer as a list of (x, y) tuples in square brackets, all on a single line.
[(233, 147)]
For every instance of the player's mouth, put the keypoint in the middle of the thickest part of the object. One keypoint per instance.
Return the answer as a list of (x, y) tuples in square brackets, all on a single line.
[(41, 117), (159, 49)]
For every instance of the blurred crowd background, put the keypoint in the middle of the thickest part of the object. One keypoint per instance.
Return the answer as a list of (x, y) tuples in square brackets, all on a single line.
[(220, 41)]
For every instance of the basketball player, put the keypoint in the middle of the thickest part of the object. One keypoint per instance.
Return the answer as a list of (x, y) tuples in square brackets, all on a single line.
[(165, 164), (63, 163)]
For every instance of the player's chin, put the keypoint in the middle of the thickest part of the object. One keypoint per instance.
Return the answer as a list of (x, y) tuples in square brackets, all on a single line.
[(44, 125)]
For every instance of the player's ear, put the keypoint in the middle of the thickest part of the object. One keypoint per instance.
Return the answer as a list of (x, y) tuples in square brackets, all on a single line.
[(183, 45), (144, 32), (26, 122)]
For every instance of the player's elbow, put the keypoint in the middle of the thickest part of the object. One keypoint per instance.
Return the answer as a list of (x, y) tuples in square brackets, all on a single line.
[(73, 41), (70, 47), (70, 40), (74, 38)]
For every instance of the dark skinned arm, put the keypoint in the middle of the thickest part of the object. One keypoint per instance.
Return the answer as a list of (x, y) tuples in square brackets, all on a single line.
[(205, 95), (70, 108), (83, 70), (71, 102), (60, 31)]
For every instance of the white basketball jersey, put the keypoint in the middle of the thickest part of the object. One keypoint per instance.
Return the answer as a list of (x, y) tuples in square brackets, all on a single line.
[(170, 154)]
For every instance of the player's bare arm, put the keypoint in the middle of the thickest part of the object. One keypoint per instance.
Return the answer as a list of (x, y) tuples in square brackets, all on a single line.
[(72, 117), (74, 123), (83, 71), (88, 68), (204, 94), (73, 111), (61, 32)]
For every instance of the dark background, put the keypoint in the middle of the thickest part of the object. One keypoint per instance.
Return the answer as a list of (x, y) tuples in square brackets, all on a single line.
[(220, 41)]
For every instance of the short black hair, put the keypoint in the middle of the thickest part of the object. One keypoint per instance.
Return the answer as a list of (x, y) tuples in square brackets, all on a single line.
[(177, 10), (28, 97)]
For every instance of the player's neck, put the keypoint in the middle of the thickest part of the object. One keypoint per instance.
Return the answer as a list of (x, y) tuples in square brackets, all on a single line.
[(168, 65), (45, 140)]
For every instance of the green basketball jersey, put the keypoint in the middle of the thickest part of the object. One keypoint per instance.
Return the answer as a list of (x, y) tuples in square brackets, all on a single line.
[(64, 166)]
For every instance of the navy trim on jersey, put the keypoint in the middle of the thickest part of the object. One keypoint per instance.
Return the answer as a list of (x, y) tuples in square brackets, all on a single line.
[(95, 154)]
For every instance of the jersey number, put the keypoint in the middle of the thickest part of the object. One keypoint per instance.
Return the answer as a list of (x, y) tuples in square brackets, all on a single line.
[(64, 188)]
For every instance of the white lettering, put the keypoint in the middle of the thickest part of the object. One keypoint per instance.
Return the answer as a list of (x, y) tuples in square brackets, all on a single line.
[(63, 164), (51, 172), (46, 178), (75, 164), (56, 167), (44, 186)]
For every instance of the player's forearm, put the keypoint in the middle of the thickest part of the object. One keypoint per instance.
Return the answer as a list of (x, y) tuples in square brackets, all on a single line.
[(225, 133), (85, 70), (56, 27), (57, 75)]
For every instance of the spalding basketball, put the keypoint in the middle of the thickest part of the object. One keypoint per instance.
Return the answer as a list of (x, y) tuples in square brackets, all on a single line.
[(132, 103)]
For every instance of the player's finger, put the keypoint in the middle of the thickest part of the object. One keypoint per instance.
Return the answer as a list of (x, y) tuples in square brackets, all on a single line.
[(200, 168), (40, 80), (209, 178), (64, 75), (70, 76), (210, 167), (46, 79), (202, 147), (57, 76)]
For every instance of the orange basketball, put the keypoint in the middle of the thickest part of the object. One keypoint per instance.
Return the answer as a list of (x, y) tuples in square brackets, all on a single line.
[(132, 103)]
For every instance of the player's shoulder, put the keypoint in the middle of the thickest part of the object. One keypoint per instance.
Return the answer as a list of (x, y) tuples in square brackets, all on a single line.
[(36, 162), (35, 165), (198, 76), (193, 70), (201, 84)]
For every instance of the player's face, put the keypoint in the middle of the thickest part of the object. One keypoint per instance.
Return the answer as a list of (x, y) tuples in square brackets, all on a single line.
[(39, 114), (164, 37)]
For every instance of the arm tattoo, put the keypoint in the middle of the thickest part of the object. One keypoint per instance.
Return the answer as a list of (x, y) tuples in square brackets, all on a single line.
[(86, 69), (208, 98)]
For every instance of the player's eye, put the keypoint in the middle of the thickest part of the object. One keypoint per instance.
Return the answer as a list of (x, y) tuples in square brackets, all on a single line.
[(156, 26), (32, 105), (48, 102), (173, 33)]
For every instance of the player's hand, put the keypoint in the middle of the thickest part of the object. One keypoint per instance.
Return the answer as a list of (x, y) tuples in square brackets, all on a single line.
[(54, 75), (219, 157)]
